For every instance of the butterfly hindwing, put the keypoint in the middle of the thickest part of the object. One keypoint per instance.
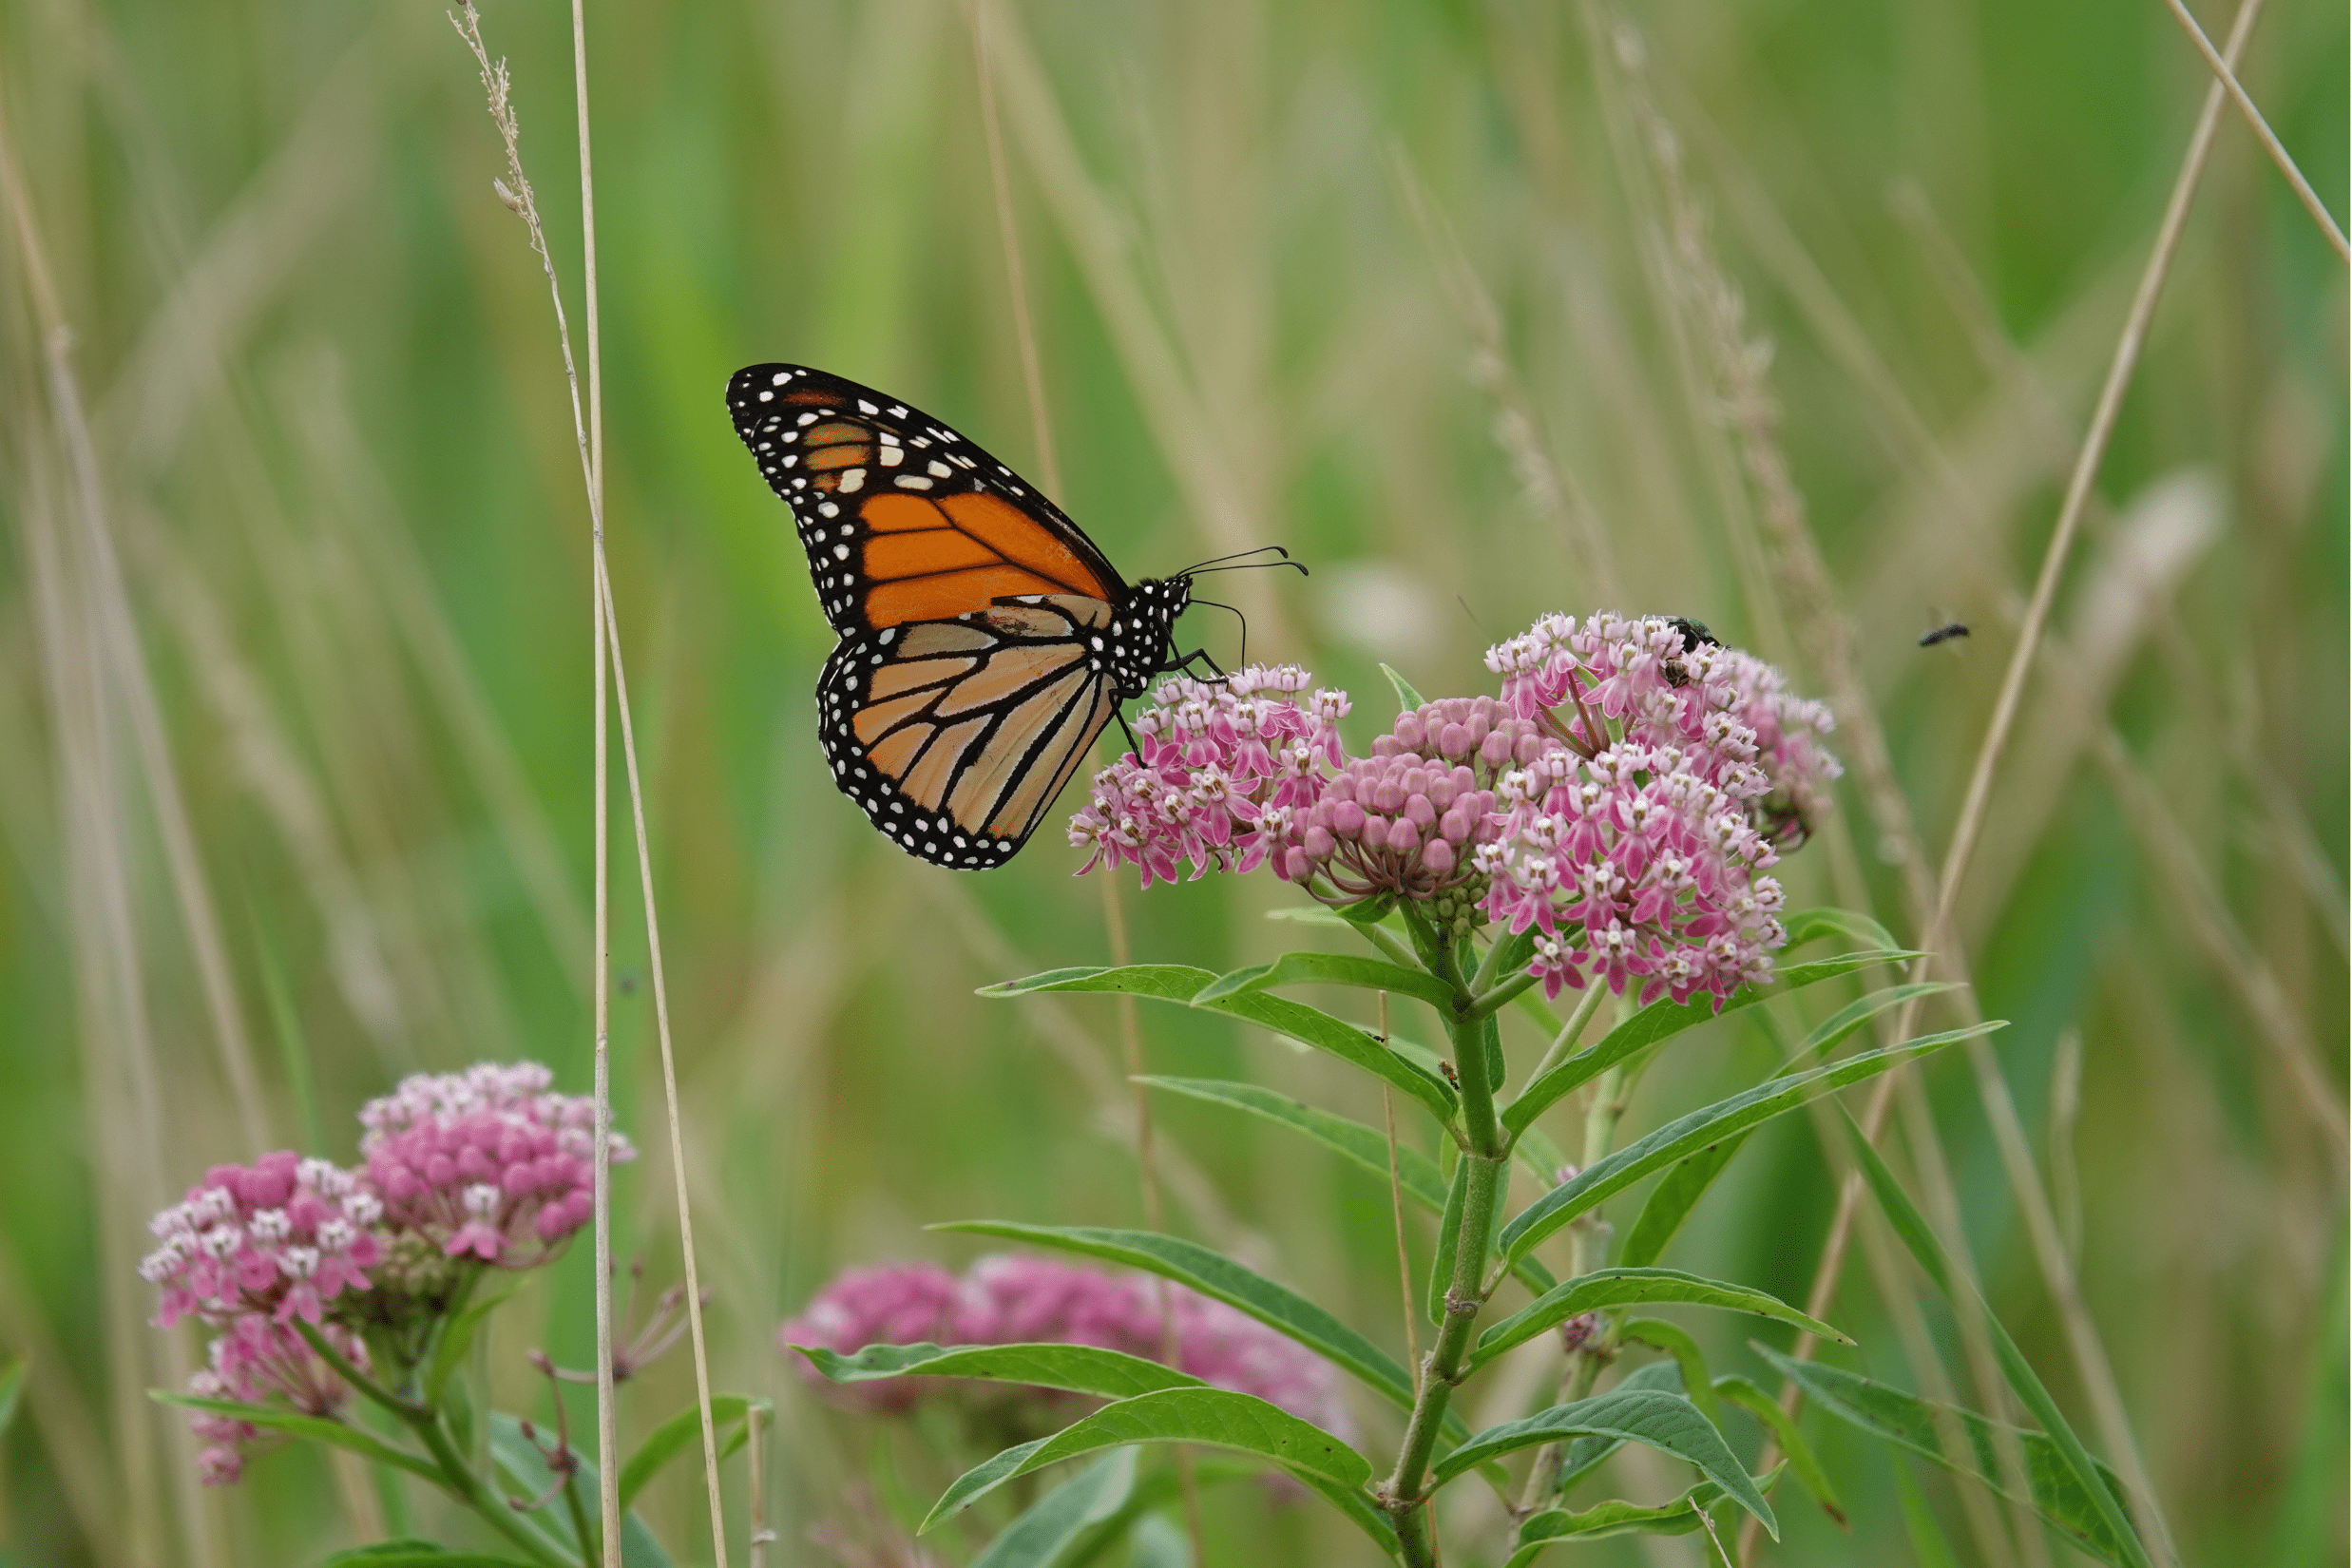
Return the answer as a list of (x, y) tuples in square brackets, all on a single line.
[(904, 518), (955, 735)]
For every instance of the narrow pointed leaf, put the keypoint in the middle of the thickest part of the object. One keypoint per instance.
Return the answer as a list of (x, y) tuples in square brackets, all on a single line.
[(1679, 1192), (1056, 1523), (317, 1429), (418, 1554), (1699, 1383), (457, 1339), (1636, 1287), (2089, 1475), (1585, 1453), (1371, 974), (1615, 1517), (684, 1430), (1662, 1020), (1160, 981), (1688, 1134), (2056, 1491), (1212, 1417), (1307, 1025), (1074, 1368), (1668, 1423), (1214, 1275), (1351, 1043), (1813, 925), (1406, 696), (1809, 1474), (1367, 1146)]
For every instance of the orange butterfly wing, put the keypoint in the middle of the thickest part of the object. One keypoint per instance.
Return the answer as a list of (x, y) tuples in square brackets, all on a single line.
[(984, 641)]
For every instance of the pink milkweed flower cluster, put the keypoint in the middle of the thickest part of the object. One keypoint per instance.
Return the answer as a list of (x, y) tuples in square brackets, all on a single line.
[(1634, 870), (1406, 819), (1015, 1300), (1656, 681), (487, 1163), (247, 1252), (1224, 767), (277, 1239)]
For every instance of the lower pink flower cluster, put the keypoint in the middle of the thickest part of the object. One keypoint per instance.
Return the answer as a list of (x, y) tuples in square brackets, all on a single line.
[(1017, 1300), (485, 1166)]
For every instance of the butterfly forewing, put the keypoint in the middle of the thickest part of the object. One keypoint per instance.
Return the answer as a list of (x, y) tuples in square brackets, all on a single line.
[(902, 518)]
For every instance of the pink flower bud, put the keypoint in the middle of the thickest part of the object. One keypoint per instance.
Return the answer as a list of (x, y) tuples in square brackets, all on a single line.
[(1348, 819), (1375, 832), (1410, 734), (1386, 745), (1442, 790), (1527, 748), (1295, 865), (1403, 836), (1342, 788), (1438, 855), (1319, 842), (1480, 723), (1419, 812), (1455, 825), (1495, 750), (1389, 796)]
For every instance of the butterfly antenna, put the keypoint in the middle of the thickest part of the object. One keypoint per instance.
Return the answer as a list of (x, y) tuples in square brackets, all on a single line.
[(1244, 563), (1244, 662)]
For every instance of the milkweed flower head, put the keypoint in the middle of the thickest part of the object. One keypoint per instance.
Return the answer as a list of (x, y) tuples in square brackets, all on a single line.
[(1220, 771), (474, 1169), (487, 1164), (1009, 1299)]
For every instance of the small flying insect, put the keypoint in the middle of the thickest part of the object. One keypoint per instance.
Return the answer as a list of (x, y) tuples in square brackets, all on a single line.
[(1945, 633), (1693, 633)]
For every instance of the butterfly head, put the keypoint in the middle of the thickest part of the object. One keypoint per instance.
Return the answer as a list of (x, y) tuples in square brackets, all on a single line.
[(1143, 631)]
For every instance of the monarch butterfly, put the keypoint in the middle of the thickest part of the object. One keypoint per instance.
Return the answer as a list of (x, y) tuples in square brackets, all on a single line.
[(984, 641)]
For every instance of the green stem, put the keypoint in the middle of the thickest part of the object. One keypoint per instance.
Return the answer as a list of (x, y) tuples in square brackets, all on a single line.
[(1495, 999), (1610, 1094), (590, 1553), (1406, 1495), (1588, 1002), (1386, 942), (494, 1510), (457, 1476)]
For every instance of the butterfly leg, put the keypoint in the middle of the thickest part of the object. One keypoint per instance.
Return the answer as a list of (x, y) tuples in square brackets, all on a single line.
[(1184, 664), (1133, 749)]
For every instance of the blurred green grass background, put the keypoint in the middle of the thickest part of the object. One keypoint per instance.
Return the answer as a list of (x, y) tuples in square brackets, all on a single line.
[(294, 730)]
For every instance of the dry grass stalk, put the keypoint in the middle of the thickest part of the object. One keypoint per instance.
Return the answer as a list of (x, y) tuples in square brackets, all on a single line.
[(2227, 78), (588, 431)]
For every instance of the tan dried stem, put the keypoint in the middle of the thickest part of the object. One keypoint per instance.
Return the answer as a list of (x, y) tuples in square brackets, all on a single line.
[(2263, 133), (589, 434)]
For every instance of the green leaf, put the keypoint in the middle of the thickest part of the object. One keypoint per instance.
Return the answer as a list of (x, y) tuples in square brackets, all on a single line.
[(1585, 1453), (1448, 1244), (1215, 1275), (526, 1470), (317, 1429), (1077, 1368), (1662, 1020), (1351, 1043), (1908, 1422), (1307, 1025), (1160, 981), (1815, 1479), (1919, 1521), (1697, 1382), (1688, 1134), (1406, 696), (1668, 1423), (457, 1339), (1367, 1146), (1616, 1517), (1422, 1180), (12, 1392), (2091, 1479), (1811, 925), (1211, 1417), (1367, 911), (1679, 1192), (1636, 1287), (1059, 1519), (684, 1429), (1371, 974), (417, 1554)]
